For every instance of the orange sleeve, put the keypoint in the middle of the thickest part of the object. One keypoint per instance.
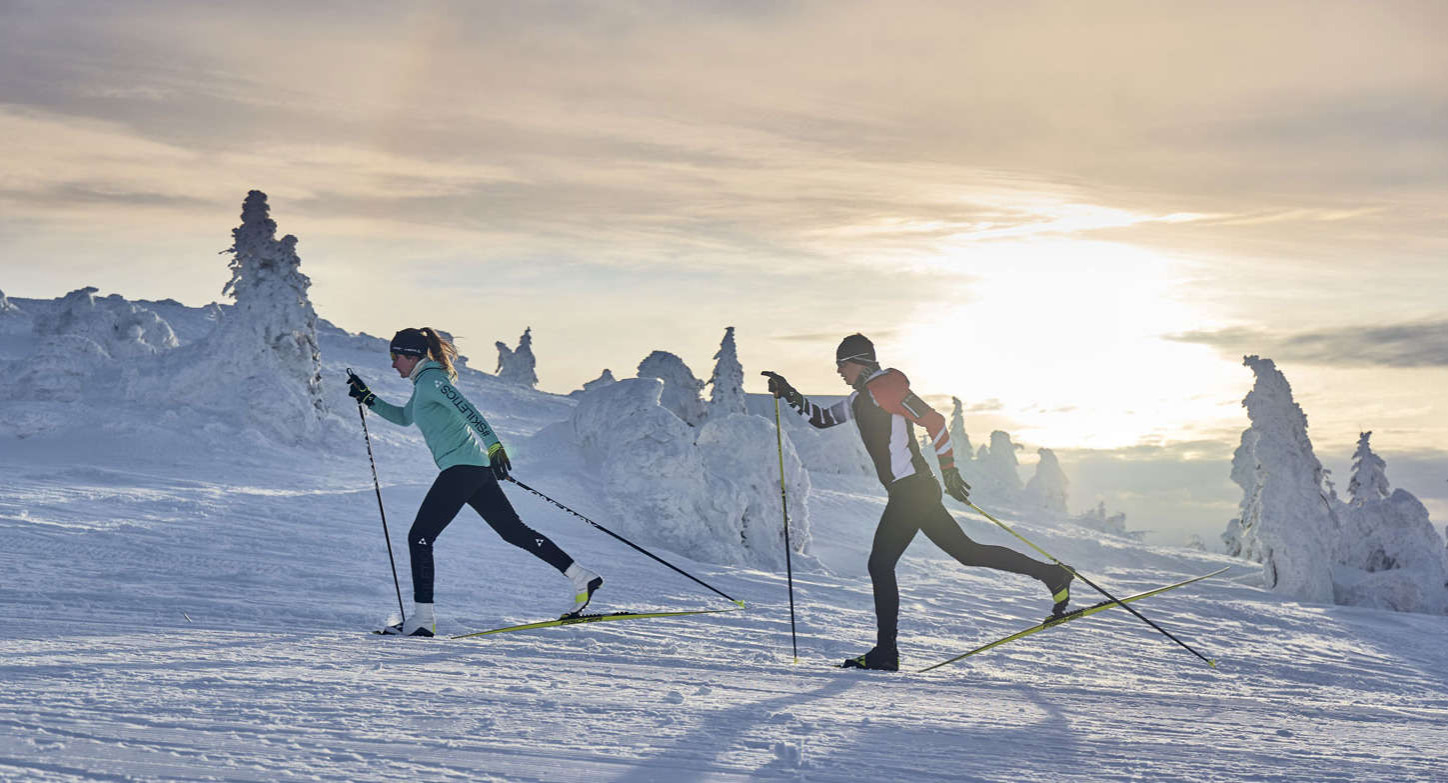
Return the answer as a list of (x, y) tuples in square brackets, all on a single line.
[(891, 391)]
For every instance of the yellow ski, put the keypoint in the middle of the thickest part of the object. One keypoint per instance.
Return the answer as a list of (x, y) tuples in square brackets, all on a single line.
[(1076, 615), (593, 618)]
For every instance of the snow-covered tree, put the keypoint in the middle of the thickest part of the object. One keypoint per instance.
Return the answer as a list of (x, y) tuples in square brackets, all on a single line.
[(1285, 522), (1389, 554), (960, 444), (271, 297), (682, 390), (265, 349), (516, 366), (958, 439), (727, 395), (1047, 488), (1368, 482), (6, 307), (997, 469)]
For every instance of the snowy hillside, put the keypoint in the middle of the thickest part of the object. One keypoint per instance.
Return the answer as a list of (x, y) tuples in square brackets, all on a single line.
[(187, 597)]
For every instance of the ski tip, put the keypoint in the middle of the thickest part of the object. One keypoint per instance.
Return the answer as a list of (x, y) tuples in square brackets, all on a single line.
[(1212, 664), (741, 603)]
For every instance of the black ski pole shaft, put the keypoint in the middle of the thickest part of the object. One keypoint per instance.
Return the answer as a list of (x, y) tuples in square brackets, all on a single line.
[(626, 541), (1097, 587), (784, 504), (377, 486)]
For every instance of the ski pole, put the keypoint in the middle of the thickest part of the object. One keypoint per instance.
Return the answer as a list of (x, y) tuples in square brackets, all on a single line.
[(626, 541), (376, 485), (784, 504), (1098, 588)]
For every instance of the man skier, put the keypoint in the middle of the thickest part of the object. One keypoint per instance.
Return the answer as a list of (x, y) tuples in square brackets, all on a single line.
[(885, 412)]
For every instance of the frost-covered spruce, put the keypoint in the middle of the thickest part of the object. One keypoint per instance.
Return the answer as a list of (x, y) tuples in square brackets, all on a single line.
[(958, 438), (1285, 521), (964, 451), (6, 307), (998, 469), (1369, 481), (1047, 488), (263, 350), (517, 366), (1389, 554), (726, 396), (272, 306), (681, 392)]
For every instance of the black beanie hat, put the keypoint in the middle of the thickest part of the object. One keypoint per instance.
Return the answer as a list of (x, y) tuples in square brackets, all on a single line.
[(856, 348), (409, 342)]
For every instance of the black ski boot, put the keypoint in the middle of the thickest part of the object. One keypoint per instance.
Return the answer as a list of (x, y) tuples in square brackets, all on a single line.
[(887, 660), (1059, 583)]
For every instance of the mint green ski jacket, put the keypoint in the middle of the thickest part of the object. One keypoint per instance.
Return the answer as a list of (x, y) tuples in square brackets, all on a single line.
[(455, 431)]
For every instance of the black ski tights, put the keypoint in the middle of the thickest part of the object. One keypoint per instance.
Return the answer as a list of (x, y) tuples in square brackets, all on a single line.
[(915, 505), (475, 486)]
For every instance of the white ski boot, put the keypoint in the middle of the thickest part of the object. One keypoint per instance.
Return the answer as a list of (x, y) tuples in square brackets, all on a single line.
[(421, 622), (585, 582)]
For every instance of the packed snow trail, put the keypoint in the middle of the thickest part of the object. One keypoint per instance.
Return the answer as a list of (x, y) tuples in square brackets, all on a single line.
[(273, 679)]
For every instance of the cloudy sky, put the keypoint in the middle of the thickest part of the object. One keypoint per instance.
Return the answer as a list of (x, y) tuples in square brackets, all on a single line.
[(1076, 217)]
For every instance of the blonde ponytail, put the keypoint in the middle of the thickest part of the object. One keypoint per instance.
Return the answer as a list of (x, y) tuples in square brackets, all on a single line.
[(441, 350)]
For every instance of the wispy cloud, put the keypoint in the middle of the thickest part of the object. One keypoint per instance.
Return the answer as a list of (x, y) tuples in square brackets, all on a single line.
[(832, 337), (1419, 344)]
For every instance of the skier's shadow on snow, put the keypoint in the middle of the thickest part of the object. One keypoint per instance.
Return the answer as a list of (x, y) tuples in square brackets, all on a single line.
[(948, 752)]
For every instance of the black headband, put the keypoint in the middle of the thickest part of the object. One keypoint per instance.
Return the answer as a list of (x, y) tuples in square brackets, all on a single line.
[(409, 342)]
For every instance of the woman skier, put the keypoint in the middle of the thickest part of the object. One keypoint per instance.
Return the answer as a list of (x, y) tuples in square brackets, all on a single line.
[(885, 412), (472, 460)]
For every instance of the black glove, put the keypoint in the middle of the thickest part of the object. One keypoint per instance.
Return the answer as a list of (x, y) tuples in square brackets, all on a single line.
[(358, 390), (955, 485), (779, 387), (498, 462)]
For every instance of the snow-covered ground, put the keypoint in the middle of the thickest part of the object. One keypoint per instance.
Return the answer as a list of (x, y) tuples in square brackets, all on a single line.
[(179, 606)]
